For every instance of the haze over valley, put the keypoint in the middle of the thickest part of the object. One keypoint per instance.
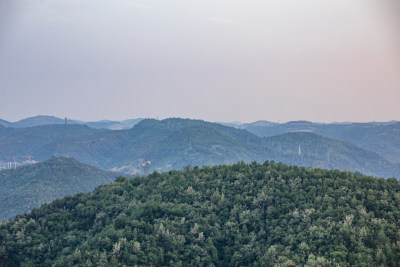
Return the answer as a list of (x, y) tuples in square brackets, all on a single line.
[(199, 133)]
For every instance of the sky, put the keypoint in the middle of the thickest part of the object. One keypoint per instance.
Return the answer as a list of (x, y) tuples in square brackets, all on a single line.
[(217, 60)]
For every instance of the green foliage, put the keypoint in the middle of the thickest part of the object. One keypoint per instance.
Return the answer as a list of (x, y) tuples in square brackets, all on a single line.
[(240, 215), (31, 186)]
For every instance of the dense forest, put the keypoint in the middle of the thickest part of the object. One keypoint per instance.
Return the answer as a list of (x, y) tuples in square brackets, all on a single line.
[(253, 214), (30, 186)]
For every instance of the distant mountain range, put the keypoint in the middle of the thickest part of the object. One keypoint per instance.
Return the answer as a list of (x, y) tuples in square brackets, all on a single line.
[(381, 137), (46, 120), (30, 186), (38, 141), (173, 143)]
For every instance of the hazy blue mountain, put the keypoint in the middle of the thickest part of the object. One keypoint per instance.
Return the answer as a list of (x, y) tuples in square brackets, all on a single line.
[(234, 124), (36, 141), (112, 125), (266, 129), (127, 147), (47, 120), (240, 125), (383, 138), (309, 149), (384, 123), (3, 130), (30, 186), (37, 121), (5, 123), (334, 130), (174, 143), (200, 145), (260, 123), (131, 122)]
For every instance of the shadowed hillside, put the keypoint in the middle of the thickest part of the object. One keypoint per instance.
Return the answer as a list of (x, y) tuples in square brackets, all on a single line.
[(30, 186), (383, 138)]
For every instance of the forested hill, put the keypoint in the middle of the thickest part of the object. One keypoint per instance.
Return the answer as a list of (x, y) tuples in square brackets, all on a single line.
[(383, 138), (240, 215), (39, 141), (309, 149), (173, 143), (30, 186)]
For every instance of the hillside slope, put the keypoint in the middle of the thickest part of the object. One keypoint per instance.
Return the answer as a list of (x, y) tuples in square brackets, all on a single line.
[(240, 215), (37, 121), (4, 123), (36, 141), (30, 186), (130, 147), (309, 149), (383, 138), (202, 146), (49, 120), (174, 143)]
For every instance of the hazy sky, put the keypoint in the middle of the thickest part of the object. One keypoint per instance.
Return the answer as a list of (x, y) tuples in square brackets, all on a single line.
[(218, 60)]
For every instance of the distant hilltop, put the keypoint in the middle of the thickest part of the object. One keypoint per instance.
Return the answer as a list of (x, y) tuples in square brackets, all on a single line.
[(129, 123), (369, 148), (32, 185), (48, 120)]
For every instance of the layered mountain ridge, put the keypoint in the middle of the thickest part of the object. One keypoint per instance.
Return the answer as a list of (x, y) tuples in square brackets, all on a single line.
[(174, 143)]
